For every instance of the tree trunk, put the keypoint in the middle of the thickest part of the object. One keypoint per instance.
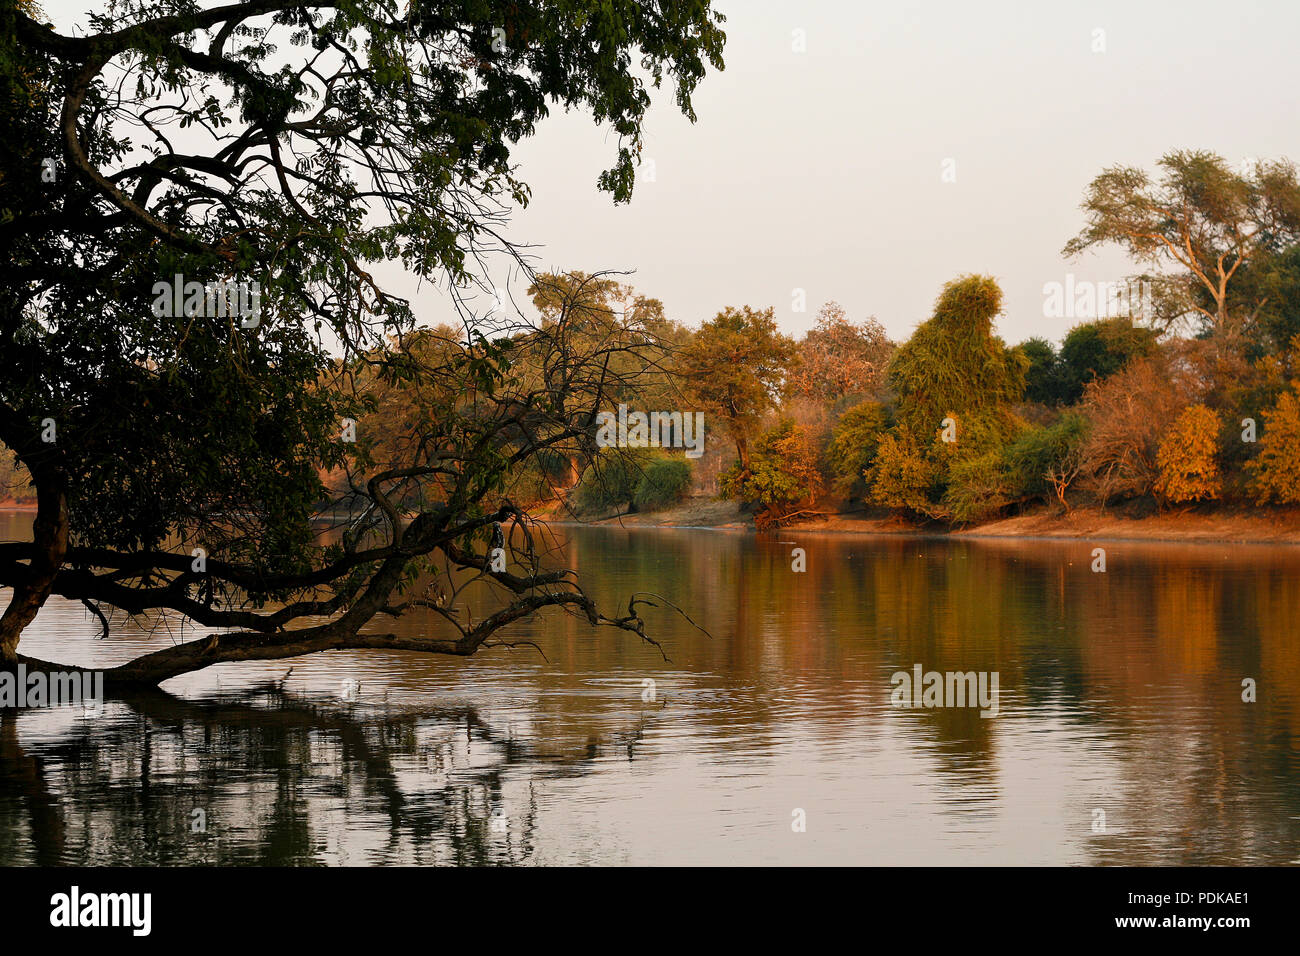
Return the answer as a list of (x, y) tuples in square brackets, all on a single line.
[(50, 537)]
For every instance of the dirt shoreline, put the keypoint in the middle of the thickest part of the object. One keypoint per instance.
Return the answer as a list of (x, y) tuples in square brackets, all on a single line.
[(1220, 526), (1223, 526)]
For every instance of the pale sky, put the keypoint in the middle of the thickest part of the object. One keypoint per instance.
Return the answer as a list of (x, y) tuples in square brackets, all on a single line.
[(822, 170)]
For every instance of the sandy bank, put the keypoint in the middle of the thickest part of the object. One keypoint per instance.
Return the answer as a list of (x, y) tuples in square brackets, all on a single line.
[(1244, 525)]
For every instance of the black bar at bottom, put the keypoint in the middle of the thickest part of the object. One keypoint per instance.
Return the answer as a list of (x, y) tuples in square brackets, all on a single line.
[(341, 906)]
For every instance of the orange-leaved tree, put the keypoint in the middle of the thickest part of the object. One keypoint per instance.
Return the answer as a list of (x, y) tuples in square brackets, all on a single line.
[(1188, 457)]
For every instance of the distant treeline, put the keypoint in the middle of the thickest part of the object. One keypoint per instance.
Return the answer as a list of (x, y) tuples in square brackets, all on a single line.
[(14, 481), (1190, 394), (1187, 393)]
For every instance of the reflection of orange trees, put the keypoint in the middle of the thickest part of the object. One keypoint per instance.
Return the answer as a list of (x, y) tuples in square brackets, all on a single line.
[(1277, 612), (1210, 623), (1164, 619), (948, 607), (954, 600), (1203, 796), (1140, 625), (1188, 602)]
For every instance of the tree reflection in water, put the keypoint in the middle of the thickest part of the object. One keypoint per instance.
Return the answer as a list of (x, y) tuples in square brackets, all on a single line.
[(279, 779)]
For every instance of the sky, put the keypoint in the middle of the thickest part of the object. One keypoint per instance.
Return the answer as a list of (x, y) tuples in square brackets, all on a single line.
[(898, 146)]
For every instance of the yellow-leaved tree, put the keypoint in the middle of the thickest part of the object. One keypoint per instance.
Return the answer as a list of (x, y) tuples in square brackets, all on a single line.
[(1275, 472), (1187, 457)]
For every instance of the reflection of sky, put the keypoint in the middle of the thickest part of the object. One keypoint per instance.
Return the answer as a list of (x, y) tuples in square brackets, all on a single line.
[(1112, 698)]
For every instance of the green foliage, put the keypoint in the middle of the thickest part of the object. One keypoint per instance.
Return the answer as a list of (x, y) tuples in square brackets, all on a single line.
[(853, 446), (665, 482), (1090, 351), (978, 487), (1097, 350), (954, 365), (1269, 289), (952, 368), (1039, 458), (611, 481), (1201, 219), (1041, 372), (901, 476)]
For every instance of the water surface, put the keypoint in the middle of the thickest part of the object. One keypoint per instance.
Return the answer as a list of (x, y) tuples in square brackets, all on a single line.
[(1120, 692)]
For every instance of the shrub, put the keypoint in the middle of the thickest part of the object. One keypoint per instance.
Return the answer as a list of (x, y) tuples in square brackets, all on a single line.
[(977, 488), (664, 483), (1042, 462), (901, 477), (1126, 415), (984, 478), (1275, 472), (853, 446), (1189, 469), (610, 482), (784, 474)]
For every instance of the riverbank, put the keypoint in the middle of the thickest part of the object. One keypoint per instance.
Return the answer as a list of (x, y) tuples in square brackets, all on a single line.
[(1224, 525), (1228, 525)]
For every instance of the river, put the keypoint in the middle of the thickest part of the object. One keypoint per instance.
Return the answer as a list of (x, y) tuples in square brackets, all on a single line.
[(1121, 736)]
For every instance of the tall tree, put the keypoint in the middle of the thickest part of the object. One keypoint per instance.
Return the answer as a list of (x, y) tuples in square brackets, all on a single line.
[(288, 147), (954, 365), (1202, 219), (1268, 288), (735, 367), (838, 358), (1042, 372), (598, 308)]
